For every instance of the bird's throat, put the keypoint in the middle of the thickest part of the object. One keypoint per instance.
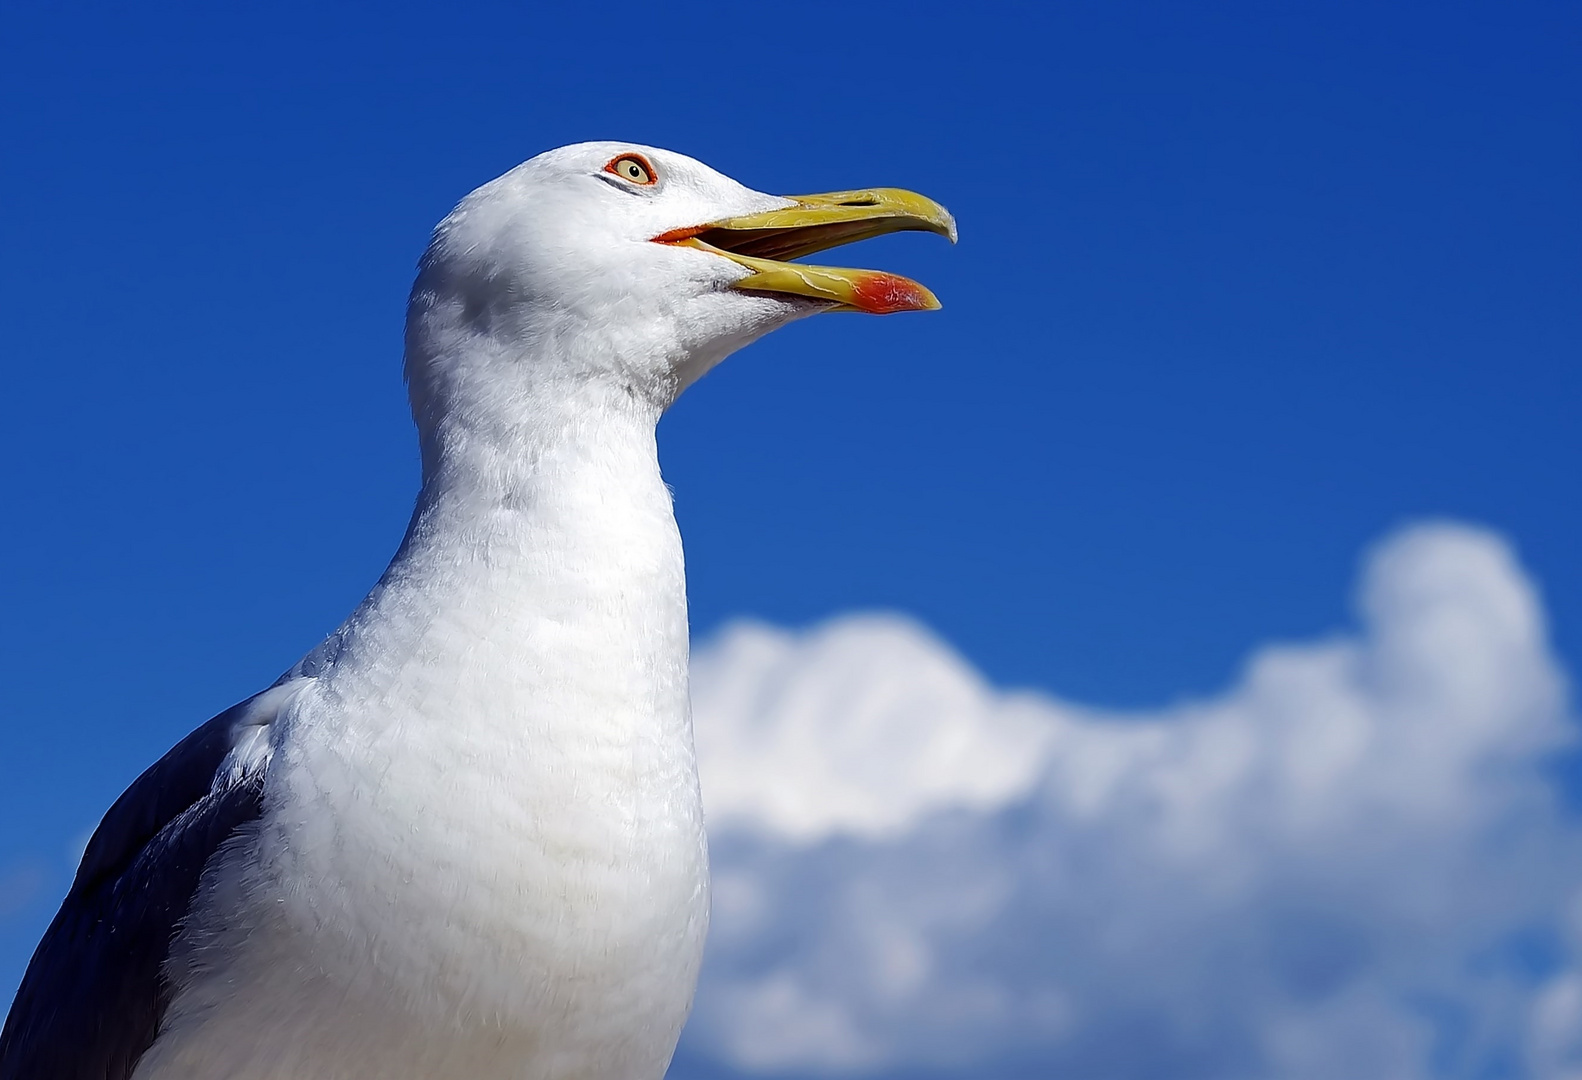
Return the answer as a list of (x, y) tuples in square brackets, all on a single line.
[(540, 591)]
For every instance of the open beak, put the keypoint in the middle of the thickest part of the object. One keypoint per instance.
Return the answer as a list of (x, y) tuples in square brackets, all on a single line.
[(815, 222)]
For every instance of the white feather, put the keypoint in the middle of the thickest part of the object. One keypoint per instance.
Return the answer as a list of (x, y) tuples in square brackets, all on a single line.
[(482, 852)]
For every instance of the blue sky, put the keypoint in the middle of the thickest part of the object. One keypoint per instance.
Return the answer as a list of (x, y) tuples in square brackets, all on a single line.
[(1241, 290)]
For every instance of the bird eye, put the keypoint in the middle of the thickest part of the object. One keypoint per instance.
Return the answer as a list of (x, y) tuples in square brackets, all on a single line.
[(633, 168)]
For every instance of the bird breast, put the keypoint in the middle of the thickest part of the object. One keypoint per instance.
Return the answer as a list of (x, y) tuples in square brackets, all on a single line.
[(513, 810), (482, 825)]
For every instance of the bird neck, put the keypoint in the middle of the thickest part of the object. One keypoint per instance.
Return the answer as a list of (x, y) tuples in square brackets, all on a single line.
[(518, 464), (541, 578)]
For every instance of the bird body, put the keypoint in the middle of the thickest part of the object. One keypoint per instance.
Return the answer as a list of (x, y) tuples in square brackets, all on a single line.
[(464, 800), (463, 837)]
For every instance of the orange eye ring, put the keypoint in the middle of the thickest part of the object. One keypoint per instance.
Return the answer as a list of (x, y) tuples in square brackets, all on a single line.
[(634, 169)]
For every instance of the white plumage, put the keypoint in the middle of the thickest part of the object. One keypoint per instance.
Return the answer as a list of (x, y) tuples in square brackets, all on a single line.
[(478, 848)]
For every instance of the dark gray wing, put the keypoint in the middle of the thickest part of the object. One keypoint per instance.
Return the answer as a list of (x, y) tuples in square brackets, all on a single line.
[(95, 993)]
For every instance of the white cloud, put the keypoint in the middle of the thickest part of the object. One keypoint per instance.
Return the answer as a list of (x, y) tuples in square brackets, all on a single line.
[(862, 728), (1350, 864)]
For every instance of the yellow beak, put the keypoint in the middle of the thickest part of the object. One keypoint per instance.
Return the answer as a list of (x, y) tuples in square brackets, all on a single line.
[(816, 222)]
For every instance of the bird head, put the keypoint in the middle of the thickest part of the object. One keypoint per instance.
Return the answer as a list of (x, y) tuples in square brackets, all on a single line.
[(635, 267)]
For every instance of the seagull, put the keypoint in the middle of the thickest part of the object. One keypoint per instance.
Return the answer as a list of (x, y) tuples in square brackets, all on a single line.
[(462, 838)]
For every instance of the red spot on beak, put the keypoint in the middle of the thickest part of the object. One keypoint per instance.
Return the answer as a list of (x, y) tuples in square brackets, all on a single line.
[(884, 294)]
